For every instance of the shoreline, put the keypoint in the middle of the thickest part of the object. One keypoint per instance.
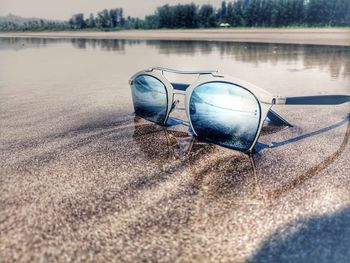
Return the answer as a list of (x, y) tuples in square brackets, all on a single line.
[(313, 36)]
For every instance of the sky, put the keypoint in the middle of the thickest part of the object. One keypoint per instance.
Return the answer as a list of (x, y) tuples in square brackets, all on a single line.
[(64, 9)]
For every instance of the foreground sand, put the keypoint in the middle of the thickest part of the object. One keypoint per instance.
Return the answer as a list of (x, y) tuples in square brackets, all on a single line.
[(293, 36)]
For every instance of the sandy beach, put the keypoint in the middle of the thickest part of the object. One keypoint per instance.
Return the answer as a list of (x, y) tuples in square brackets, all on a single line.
[(82, 179), (317, 36)]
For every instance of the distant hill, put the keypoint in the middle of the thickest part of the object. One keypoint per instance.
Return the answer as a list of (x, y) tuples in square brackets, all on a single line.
[(21, 20)]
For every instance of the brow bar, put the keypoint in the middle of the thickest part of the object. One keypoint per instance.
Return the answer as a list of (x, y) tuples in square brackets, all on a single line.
[(209, 71)]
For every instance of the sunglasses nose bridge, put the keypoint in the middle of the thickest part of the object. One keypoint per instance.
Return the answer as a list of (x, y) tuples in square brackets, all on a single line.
[(178, 108)]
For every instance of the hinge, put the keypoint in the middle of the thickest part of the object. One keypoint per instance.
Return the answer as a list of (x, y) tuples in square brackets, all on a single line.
[(279, 100)]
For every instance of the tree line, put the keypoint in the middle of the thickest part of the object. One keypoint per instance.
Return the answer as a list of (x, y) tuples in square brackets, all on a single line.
[(254, 13), (238, 13)]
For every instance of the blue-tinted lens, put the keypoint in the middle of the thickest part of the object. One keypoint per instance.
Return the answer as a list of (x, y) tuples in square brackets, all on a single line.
[(225, 114), (150, 98)]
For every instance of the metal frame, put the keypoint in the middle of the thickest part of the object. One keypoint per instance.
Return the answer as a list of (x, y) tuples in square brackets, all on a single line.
[(265, 99)]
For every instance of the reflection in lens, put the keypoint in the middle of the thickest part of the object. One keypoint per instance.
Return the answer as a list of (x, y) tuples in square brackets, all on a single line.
[(225, 114), (150, 98)]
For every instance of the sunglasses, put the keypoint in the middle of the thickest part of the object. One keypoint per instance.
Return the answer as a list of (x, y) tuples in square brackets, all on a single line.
[(221, 109)]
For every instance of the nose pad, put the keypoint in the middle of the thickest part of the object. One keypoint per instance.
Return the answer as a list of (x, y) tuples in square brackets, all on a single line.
[(174, 104)]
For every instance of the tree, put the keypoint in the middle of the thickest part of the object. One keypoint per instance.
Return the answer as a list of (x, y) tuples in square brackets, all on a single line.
[(121, 17), (206, 16), (151, 22), (103, 19), (236, 18), (341, 13), (222, 14), (90, 22), (165, 17), (77, 21), (320, 12), (114, 17)]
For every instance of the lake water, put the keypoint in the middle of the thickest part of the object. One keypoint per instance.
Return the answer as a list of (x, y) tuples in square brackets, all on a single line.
[(82, 177)]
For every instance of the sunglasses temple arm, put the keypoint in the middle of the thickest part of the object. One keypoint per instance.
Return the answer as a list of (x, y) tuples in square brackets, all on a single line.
[(305, 100), (313, 100)]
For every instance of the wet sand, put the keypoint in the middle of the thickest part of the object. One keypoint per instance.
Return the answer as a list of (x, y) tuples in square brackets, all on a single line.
[(292, 36), (84, 180)]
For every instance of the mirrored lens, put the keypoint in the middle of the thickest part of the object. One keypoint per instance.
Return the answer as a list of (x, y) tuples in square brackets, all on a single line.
[(150, 98), (225, 114)]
